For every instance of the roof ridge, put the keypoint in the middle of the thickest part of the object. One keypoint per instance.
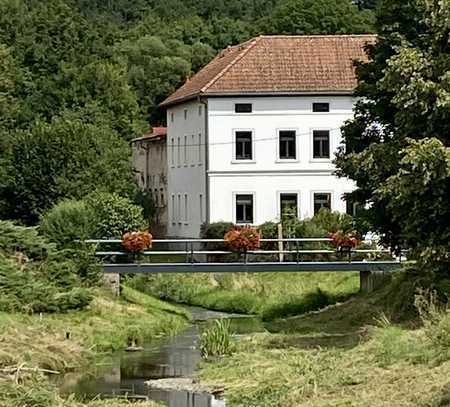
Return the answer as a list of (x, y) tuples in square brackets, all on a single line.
[(317, 35), (240, 55)]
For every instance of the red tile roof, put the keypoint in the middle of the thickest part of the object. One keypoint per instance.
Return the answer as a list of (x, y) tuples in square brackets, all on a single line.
[(280, 65), (157, 133)]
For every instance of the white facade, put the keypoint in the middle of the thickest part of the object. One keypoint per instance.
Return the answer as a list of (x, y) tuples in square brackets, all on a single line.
[(266, 174)]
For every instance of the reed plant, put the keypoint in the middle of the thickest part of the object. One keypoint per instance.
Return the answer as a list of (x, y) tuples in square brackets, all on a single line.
[(217, 340)]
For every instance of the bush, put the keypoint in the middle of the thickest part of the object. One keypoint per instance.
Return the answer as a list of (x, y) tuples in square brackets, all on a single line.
[(99, 215), (114, 215), (35, 277), (68, 221)]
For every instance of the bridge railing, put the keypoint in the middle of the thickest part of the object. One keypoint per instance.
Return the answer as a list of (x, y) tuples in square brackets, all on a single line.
[(195, 247)]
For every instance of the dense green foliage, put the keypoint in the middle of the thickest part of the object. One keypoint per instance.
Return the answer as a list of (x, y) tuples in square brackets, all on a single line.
[(35, 277), (395, 148), (99, 215), (79, 77)]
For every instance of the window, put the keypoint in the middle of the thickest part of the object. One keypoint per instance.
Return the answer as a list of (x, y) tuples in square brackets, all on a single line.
[(173, 208), (185, 208), (201, 208), (179, 208), (185, 114), (321, 107), (321, 144), (179, 152), (200, 110), (185, 150), (321, 200), (287, 145), (244, 208), (243, 108), (171, 117), (289, 205), (351, 207), (244, 145), (199, 148), (172, 151)]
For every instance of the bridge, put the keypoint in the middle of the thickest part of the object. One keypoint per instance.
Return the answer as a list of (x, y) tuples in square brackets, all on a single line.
[(275, 255)]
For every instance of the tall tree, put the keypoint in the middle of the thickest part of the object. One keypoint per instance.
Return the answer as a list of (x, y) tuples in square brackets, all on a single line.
[(405, 96)]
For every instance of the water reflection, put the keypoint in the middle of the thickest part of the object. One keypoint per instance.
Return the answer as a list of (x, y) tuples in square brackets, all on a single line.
[(174, 357)]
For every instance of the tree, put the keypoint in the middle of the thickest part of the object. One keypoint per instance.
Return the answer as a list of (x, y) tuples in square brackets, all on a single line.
[(66, 158), (405, 96), (317, 17)]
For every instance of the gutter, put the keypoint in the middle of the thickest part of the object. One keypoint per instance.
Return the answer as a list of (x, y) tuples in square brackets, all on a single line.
[(204, 102)]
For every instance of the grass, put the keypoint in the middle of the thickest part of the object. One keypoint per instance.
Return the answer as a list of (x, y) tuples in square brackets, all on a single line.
[(64, 341), (217, 340), (271, 295), (341, 356)]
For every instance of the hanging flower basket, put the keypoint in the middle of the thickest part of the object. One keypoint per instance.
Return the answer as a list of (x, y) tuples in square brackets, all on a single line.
[(137, 242), (344, 241), (243, 238)]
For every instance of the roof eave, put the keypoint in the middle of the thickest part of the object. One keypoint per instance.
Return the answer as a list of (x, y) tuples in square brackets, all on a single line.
[(328, 92)]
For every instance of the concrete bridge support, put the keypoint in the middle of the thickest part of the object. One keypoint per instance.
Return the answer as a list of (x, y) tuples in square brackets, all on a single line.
[(371, 280), (112, 282)]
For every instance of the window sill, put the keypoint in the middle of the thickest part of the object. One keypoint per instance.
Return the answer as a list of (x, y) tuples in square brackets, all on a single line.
[(286, 160), (243, 161), (320, 160)]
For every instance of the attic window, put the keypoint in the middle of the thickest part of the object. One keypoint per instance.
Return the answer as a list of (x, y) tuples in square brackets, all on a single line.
[(321, 107), (243, 108)]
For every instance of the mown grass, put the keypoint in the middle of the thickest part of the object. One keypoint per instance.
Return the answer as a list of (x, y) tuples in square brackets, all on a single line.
[(63, 341), (330, 359), (271, 295)]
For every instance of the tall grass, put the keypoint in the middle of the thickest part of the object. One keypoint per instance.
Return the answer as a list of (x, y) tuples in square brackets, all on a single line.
[(217, 340)]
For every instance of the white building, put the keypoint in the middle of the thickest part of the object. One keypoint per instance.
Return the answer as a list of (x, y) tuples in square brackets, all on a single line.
[(257, 128)]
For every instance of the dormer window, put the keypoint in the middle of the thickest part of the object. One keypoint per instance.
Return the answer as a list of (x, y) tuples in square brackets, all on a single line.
[(321, 107), (243, 108)]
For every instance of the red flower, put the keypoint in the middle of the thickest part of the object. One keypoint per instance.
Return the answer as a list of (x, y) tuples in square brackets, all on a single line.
[(340, 239), (243, 238), (137, 241)]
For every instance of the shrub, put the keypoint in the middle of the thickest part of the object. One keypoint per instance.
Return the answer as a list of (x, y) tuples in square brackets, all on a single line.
[(35, 277), (67, 221), (217, 340), (114, 215)]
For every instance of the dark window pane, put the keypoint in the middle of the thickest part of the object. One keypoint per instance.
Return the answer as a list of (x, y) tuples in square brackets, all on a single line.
[(321, 144), (243, 145), (321, 201), (244, 208), (243, 107), (321, 107), (289, 205), (287, 144)]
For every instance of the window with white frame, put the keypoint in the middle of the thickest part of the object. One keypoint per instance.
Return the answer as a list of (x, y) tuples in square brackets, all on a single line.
[(171, 117), (192, 150), (185, 114), (321, 143), (244, 208), (172, 151), (201, 207), (173, 209), (185, 150), (186, 208), (200, 109), (199, 146), (179, 209), (287, 145), (321, 200), (178, 152), (243, 145), (288, 205)]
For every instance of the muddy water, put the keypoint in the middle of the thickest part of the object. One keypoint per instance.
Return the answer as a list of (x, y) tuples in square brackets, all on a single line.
[(126, 373)]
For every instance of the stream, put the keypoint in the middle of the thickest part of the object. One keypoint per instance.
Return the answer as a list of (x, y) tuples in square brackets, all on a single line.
[(126, 373)]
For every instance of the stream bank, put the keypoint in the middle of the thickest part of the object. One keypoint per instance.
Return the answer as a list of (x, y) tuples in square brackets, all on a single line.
[(164, 371)]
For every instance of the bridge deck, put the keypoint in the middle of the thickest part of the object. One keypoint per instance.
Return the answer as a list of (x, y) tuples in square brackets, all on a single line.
[(260, 267)]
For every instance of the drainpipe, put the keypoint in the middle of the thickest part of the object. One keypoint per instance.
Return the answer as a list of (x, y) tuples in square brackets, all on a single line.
[(204, 102)]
